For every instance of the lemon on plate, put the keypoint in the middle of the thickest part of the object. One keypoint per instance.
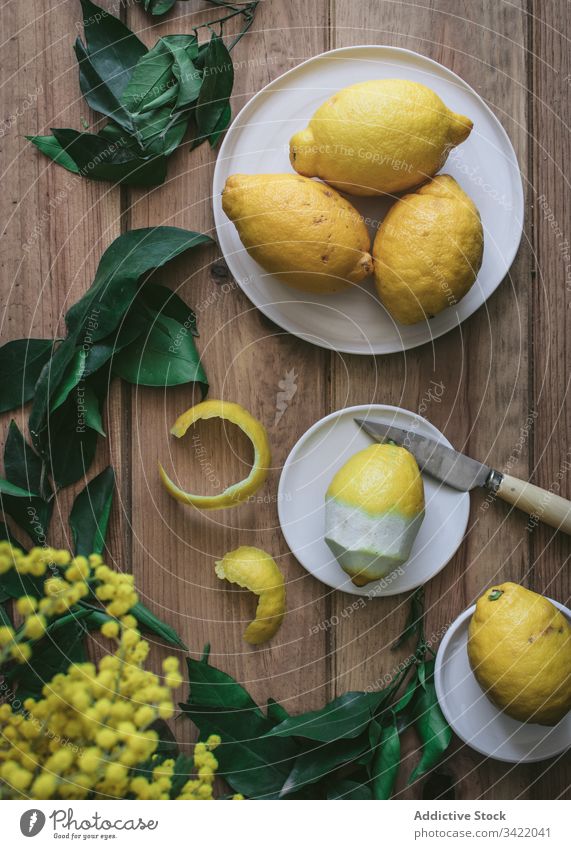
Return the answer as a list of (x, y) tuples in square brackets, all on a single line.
[(374, 507), (428, 251), (380, 136), (519, 647), (300, 230)]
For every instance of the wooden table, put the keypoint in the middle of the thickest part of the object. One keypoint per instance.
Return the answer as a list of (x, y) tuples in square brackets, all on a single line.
[(504, 372)]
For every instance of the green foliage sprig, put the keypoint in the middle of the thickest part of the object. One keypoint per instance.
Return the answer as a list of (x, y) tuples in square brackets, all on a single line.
[(349, 749), (149, 97)]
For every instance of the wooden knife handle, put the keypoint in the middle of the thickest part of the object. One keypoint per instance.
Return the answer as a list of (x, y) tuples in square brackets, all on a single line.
[(541, 504)]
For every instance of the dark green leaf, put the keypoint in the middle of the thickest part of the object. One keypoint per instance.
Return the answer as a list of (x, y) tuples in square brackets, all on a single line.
[(216, 87), (22, 465), (101, 352), (100, 158), (151, 79), (212, 688), (149, 622), (90, 513), (97, 92), (158, 7), (12, 584), (251, 763), (386, 762), (7, 488), (184, 49), (113, 48), (315, 763), (5, 617), (345, 717), (346, 789), (163, 356), (21, 362), (48, 659), (72, 375), (69, 443), (415, 619), (276, 713), (223, 121), (89, 403), (50, 146), (430, 724), (182, 772), (129, 257)]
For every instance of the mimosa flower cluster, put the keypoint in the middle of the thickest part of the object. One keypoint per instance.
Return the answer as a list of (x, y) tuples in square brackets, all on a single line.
[(91, 734)]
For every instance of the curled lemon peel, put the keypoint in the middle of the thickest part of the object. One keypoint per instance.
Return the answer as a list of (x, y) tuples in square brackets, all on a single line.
[(239, 492), (255, 570)]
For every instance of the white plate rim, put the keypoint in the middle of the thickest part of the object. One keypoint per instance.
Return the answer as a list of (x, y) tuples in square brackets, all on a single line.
[(442, 696), (359, 409), (266, 309)]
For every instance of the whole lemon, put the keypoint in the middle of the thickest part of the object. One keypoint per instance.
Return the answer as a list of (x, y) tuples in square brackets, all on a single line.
[(302, 231), (374, 507), (428, 251), (519, 646), (380, 136)]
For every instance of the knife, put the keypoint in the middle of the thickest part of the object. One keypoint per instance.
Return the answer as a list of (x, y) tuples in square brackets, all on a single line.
[(462, 473)]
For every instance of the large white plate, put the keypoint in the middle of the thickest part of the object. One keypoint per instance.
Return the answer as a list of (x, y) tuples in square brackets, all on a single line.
[(485, 166), (307, 472), (473, 716)]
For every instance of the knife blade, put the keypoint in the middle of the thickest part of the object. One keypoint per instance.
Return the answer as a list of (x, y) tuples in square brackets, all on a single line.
[(447, 465)]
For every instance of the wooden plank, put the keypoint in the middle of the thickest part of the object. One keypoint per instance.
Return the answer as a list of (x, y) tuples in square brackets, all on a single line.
[(551, 298), (246, 357), (472, 383)]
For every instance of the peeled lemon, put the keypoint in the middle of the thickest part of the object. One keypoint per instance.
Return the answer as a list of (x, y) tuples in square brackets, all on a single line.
[(380, 136), (428, 251), (519, 646), (300, 230), (374, 508), (255, 570)]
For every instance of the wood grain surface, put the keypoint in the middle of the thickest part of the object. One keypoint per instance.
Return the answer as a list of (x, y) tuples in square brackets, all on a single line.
[(503, 376)]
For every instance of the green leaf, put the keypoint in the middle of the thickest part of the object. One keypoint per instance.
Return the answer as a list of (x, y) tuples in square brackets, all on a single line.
[(21, 362), (345, 717), (89, 402), (151, 79), (90, 513), (129, 257), (12, 584), (345, 788), (216, 87), (69, 442), (5, 617), (276, 713), (100, 158), (149, 622), (71, 377), (163, 356), (223, 121), (159, 7), (48, 659), (414, 623), (386, 762), (50, 146), (430, 724), (97, 92), (113, 48), (7, 488), (22, 465), (315, 763), (212, 688), (184, 49)]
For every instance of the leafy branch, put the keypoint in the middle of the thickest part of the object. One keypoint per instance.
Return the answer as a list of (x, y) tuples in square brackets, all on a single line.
[(246, 10), (349, 749), (150, 97)]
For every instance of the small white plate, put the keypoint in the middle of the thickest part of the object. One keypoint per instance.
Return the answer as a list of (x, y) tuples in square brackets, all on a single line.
[(476, 720), (485, 166), (307, 473)]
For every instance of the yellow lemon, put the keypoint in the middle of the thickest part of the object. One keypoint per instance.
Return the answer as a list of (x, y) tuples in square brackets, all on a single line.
[(428, 251), (380, 136), (519, 647), (257, 571), (254, 430), (374, 508), (300, 230)]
